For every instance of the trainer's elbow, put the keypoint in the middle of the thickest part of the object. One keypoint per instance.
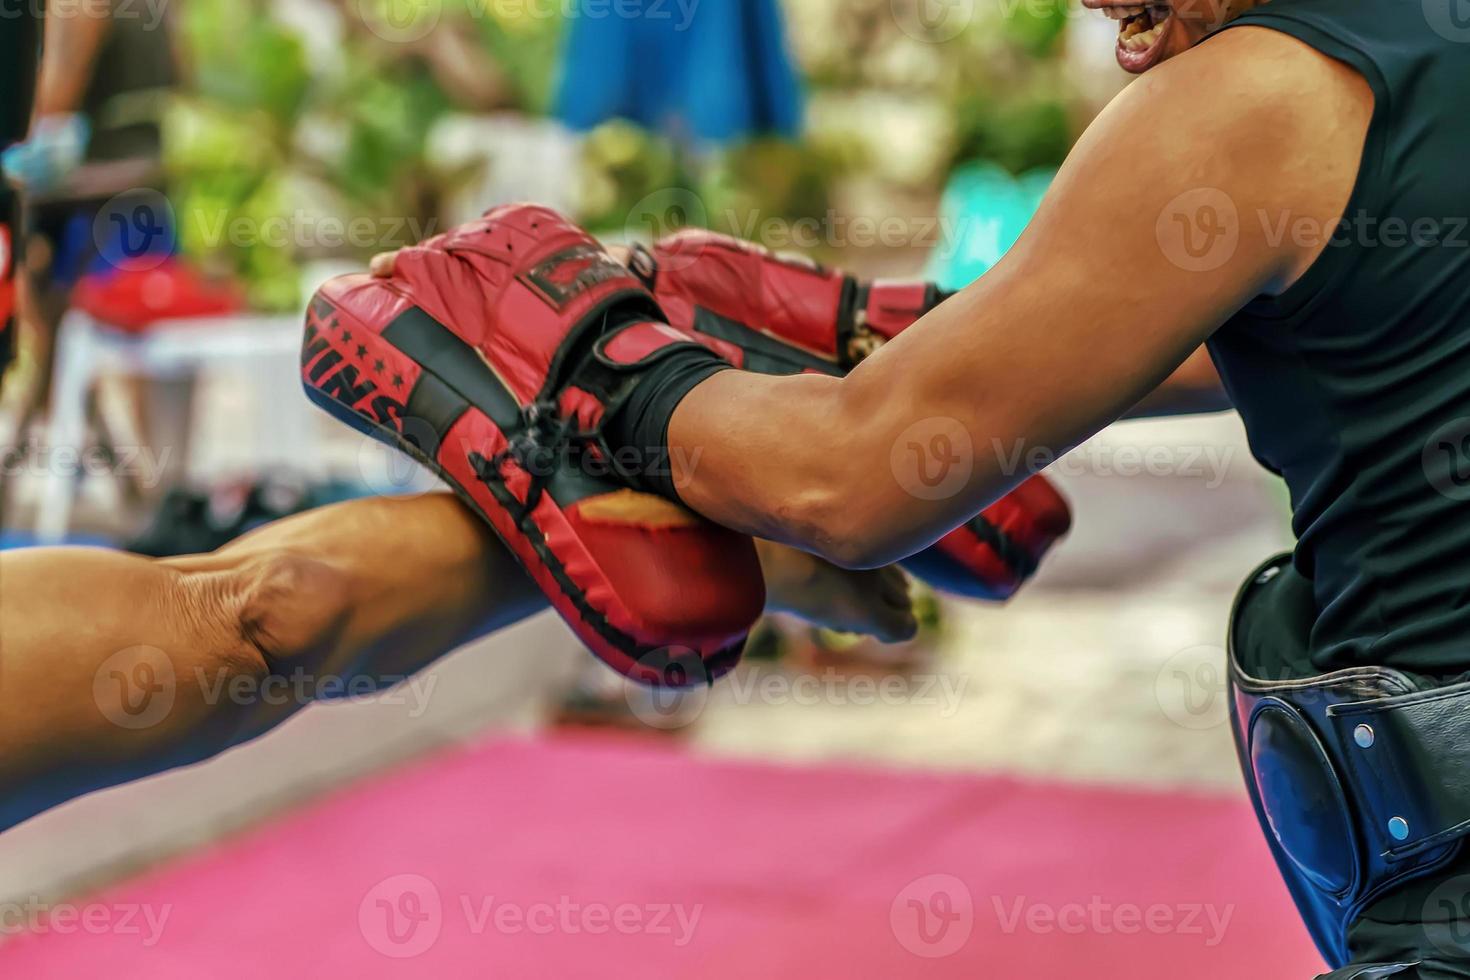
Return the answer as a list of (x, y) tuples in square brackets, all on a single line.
[(860, 549), (819, 525), (843, 516)]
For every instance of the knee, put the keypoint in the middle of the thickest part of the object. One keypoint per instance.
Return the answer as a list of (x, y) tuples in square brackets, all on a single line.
[(263, 614), (289, 608)]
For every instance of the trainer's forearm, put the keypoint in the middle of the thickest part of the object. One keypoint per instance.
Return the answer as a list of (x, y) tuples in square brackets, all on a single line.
[(849, 469), (761, 454), (983, 391)]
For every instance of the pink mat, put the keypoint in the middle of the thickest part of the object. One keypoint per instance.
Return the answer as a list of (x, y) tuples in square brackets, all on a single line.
[(609, 857)]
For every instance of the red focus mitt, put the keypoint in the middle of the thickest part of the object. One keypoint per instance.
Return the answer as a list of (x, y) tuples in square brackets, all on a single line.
[(491, 355), (777, 315)]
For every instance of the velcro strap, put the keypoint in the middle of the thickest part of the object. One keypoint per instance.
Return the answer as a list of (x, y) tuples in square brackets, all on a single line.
[(1409, 758), (635, 347), (643, 265), (893, 306)]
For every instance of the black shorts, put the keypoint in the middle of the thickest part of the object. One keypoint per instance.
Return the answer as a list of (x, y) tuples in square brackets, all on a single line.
[(1421, 930)]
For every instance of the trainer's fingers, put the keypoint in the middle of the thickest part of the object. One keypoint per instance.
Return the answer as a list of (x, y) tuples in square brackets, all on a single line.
[(903, 627), (896, 621), (620, 253), (894, 587), (382, 264)]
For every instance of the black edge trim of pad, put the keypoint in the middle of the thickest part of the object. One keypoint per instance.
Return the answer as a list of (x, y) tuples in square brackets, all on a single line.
[(461, 371), (599, 348), (458, 365), (763, 354), (436, 405), (1003, 545), (854, 297), (628, 646)]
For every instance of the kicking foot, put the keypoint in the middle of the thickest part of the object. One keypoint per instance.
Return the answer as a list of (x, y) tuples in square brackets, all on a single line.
[(875, 602)]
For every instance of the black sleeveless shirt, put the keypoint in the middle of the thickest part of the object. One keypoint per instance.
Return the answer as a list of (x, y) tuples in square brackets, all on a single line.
[(1354, 384)]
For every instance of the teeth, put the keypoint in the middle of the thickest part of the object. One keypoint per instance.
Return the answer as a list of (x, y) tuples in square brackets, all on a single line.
[(1143, 40)]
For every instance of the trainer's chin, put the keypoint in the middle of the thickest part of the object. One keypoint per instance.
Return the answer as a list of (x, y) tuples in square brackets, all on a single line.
[(1169, 41)]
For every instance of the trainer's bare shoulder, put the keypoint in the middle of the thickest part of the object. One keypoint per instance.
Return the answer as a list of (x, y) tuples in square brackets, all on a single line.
[(1163, 222)]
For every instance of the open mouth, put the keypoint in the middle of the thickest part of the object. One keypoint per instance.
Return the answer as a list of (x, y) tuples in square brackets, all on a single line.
[(1141, 33)]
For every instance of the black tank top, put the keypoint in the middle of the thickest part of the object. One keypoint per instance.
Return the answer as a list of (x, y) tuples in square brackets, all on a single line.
[(1354, 384)]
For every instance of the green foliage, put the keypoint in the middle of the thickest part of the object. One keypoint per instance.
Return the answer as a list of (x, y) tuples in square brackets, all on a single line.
[(525, 45), (264, 131), (623, 164), (1036, 28), (1019, 135), (242, 60), (767, 178)]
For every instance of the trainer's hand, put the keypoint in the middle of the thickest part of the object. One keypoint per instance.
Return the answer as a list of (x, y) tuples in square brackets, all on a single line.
[(875, 602), (381, 265)]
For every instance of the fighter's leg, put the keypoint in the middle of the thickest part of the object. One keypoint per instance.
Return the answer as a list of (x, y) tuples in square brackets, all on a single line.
[(114, 667)]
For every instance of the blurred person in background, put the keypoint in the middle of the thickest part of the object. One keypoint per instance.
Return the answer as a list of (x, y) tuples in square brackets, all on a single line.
[(97, 133), (93, 155)]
